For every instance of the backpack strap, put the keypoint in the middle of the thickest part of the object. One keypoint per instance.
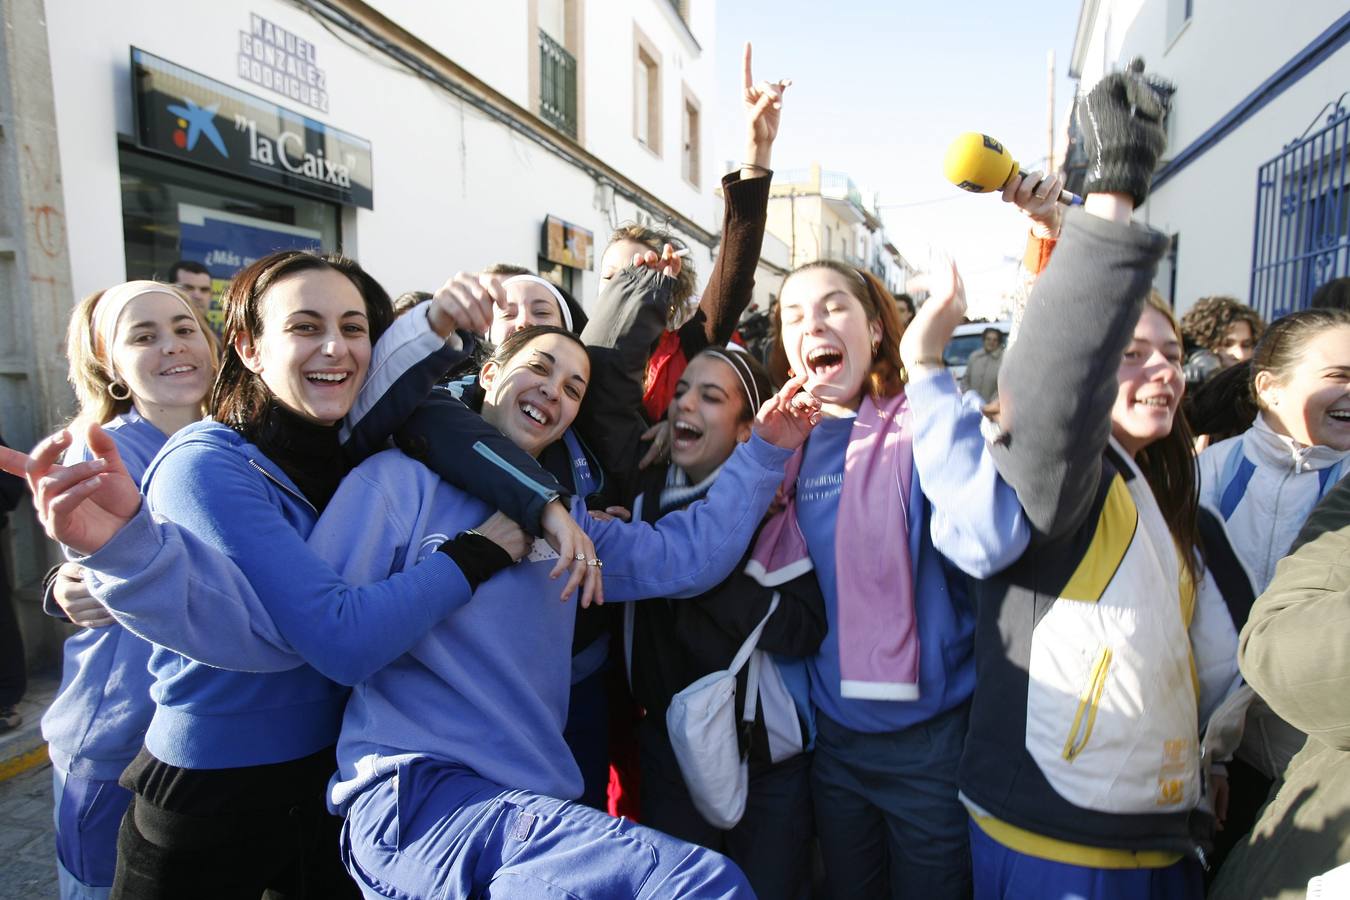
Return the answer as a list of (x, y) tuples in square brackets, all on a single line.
[(743, 655), (1237, 473), (747, 654), (1225, 567)]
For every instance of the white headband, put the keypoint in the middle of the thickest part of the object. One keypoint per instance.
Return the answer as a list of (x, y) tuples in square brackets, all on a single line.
[(552, 289), (110, 306), (742, 371)]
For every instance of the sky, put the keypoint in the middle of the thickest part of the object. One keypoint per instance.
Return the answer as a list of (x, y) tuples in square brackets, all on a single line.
[(879, 91)]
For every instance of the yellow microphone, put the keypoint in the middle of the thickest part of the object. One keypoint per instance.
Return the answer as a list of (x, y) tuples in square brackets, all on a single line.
[(978, 163)]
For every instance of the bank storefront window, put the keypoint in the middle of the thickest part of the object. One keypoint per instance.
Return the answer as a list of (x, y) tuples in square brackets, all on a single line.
[(172, 211), (224, 178)]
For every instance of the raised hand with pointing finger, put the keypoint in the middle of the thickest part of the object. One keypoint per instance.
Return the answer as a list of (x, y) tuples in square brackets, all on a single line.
[(764, 108)]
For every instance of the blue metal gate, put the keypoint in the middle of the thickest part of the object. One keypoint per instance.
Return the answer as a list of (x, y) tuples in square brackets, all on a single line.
[(1302, 235)]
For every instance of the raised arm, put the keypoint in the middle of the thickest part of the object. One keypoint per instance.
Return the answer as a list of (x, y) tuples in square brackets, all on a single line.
[(977, 521), (628, 319), (216, 500), (745, 194), (1058, 381), (406, 363), (689, 551)]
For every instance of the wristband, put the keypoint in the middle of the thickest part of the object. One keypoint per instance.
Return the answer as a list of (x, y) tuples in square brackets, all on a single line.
[(477, 556)]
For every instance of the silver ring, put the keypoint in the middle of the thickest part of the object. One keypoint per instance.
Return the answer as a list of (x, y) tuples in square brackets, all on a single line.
[(580, 557)]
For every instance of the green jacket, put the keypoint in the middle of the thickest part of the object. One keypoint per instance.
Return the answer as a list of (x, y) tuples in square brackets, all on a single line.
[(1295, 652)]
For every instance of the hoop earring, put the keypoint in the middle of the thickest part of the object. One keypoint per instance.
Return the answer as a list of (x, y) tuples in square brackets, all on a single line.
[(113, 388)]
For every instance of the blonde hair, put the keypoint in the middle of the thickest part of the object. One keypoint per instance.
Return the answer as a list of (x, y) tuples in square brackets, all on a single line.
[(91, 371), (655, 239)]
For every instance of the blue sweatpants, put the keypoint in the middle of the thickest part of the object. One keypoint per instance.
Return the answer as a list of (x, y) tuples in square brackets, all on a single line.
[(888, 813), (433, 830), (87, 814), (1005, 874)]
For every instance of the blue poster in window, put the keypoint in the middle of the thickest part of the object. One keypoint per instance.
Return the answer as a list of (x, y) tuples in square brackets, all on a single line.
[(226, 242)]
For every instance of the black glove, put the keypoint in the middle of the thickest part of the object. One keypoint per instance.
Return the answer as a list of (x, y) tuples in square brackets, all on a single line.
[(1121, 120)]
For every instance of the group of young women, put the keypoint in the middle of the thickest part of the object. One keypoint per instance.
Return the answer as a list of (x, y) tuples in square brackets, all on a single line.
[(995, 657)]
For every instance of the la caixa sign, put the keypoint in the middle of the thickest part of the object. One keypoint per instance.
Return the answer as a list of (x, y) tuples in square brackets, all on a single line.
[(188, 116)]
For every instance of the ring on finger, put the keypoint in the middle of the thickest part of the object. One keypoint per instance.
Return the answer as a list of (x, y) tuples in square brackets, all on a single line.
[(580, 557), (595, 563)]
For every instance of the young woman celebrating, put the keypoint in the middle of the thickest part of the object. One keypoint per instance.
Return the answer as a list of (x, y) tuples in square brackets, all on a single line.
[(675, 643), (891, 683), (1266, 481), (494, 767), (229, 788), (1109, 642), (141, 361)]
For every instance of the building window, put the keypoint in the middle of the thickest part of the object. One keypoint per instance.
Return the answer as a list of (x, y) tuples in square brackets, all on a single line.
[(1302, 237), (646, 93), (172, 211), (1178, 14), (557, 85), (692, 145)]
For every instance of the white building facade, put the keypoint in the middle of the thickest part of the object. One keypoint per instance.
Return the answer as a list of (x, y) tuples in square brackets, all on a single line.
[(468, 158), (1253, 186)]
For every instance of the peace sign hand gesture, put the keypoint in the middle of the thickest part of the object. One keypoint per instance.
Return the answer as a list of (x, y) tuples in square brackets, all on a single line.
[(763, 109)]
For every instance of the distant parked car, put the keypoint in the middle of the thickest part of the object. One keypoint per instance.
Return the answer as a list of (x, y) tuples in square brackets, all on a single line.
[(966, 340)]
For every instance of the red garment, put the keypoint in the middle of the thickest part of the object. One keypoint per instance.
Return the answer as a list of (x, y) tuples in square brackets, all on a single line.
[(664, 369)]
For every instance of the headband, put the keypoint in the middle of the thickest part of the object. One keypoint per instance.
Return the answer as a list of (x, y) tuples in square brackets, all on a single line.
[(735, 356), (552, 289), (111, 305)]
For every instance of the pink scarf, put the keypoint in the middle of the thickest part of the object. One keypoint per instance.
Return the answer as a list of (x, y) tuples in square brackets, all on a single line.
[(875, 622)]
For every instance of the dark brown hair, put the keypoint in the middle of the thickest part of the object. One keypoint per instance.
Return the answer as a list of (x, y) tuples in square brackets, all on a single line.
[(1335, 294), (515, 342), (1282, 347), (1223, 405), (1206, 323), (887, 377), (746, 367), (1169, 468), (239, 397)]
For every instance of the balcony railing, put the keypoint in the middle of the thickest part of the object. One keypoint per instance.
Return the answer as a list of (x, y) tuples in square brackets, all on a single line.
[(557, 85)]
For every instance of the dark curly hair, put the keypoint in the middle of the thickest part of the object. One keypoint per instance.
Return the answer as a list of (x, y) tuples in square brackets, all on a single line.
[(1206, 323)]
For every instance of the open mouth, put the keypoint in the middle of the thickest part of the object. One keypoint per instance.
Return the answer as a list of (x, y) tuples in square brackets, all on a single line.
[(1154, 402), (536, 415), (326, 379), (685, 435), (825, 361), (1340, 415), (179, 370)]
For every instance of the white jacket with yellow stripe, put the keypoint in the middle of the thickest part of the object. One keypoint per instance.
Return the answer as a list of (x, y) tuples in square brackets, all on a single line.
[(1098, 659)]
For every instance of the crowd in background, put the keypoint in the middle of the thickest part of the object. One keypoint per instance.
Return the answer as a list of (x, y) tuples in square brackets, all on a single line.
[(442, 596)]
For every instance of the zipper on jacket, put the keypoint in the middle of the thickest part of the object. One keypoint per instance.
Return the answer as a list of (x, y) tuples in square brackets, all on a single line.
[(1086, 715), (1275, 517), (285, 487)]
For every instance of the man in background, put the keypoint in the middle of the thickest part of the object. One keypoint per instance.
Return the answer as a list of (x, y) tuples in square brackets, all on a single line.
[(982, 367), (193, 279)]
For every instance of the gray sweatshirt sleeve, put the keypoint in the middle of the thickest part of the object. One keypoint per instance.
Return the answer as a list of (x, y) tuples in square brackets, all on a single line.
[(1058, 382)]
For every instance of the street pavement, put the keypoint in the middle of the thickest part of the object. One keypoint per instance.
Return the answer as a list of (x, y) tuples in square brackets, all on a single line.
[(27, 840), (27, 836)]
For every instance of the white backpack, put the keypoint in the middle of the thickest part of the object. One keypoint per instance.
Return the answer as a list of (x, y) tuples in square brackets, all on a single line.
[(701, 722)]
